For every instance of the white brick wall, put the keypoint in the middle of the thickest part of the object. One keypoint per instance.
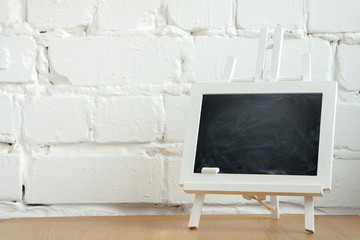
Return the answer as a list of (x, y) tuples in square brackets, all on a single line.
[(56, 120), (101, 179), (94, 95), (11, 11), (9, 119), (124, 60), (349, 72), (326, 16), (10, 177), (195, 15), (176, 113), (128, 119), (17, 59), (252, 14), (135, 14), (43, 14), (347, 132)]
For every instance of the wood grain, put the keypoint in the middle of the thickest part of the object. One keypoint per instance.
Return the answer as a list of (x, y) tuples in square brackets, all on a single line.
[(175, 227)]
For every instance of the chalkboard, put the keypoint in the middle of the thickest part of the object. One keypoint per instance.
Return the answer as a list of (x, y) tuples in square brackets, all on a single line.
[(259, 133)]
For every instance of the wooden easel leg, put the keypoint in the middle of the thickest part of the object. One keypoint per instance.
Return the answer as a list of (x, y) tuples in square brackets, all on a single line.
[(196, 211), (309, 214), (274, 201)]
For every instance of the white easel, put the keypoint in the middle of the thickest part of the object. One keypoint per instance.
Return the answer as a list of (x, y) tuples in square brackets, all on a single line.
[(260, 76)]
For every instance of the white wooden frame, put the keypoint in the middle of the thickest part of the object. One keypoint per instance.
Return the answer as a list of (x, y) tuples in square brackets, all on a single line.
[(284, 184), (208, 181)]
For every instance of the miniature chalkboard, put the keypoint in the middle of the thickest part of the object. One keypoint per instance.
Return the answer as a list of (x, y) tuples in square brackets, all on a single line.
[(261, 133), (260, 138)]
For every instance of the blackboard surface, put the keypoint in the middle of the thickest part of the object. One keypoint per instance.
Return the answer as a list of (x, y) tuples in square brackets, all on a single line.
[(259, 133)]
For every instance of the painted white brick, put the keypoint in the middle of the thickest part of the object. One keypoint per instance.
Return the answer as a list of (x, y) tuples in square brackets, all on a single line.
[(44, 14), (195, 15), (177, 196), (348, 58), (134, 14), (57, 120), (176, 112), (347, 128), (128, 119), (10, 178), (11, 11), (119, 61), (17, 59), (94, 179), (333, 16), (212, 53), (253, 14), (9, 119)]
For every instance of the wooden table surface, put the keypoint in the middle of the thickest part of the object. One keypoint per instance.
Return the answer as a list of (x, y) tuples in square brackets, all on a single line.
[(175, 227)]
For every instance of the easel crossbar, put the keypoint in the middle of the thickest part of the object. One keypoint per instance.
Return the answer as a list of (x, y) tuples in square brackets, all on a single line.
[(281, 190)]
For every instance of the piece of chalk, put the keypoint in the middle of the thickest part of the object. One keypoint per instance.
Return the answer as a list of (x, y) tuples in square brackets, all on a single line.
[(208, 170)]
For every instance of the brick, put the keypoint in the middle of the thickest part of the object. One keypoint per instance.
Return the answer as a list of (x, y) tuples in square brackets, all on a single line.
[(212, 53), (255, 14), (9, 119), (128, 119), (348, 66), (326, 16), (176, 112), (134, 14), (43, 14), (94, 179), (57, 120), (347, 127), (11, 11), (197, 15), (10, 178), (343, 153), (17, 59), (125, 60)]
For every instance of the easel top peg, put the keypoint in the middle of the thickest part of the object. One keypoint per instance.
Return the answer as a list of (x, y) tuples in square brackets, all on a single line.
[(263, 47), (276, 47), (229, 69), (276, 54), (306, 67)]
